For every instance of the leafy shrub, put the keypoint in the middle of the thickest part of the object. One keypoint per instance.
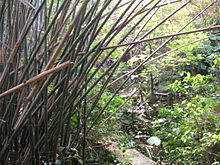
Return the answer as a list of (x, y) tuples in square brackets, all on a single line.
[(189, 130)]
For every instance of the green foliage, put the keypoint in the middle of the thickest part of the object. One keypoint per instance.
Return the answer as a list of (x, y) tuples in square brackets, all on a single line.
[(192, 85), (189, 130)]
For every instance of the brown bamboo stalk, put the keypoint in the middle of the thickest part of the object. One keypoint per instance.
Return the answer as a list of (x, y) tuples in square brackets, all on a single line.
[(161, 37), (1, 61), (36, 78), (66, 36), (60, 46), (28, 4), (160, 56), (173, 50), (52, 44), (15, 49)]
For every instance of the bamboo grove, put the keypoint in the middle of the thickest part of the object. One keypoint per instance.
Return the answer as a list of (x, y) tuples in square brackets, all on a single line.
[(50, 52)]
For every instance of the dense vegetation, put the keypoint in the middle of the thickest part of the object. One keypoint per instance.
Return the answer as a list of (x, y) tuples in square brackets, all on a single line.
[(78, 74)]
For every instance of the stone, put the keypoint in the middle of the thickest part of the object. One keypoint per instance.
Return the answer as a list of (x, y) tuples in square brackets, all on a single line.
[(137, 158)]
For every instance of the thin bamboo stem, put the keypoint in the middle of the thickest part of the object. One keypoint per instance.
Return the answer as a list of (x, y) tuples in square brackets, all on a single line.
[(163, 36)]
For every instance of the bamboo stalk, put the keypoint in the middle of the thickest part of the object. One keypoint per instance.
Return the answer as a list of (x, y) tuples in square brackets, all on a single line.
[(36, 78), (129, 73), (163, 36), (28, 4)]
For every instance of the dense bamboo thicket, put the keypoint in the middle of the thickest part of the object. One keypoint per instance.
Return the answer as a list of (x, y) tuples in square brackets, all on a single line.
[(50, 52)]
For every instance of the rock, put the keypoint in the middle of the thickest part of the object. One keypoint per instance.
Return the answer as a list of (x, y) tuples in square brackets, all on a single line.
[(138, 158), (132, 156)]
